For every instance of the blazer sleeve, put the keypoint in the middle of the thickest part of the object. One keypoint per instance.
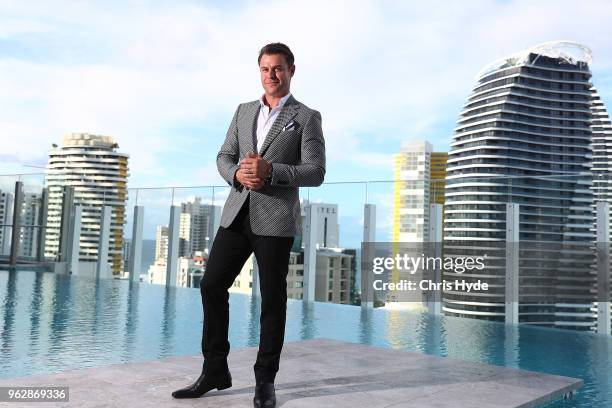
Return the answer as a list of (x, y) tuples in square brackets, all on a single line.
[(310, 172), (228, 158)]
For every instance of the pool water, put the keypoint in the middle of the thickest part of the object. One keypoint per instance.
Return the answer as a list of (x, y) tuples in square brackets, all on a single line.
[(52, 323)]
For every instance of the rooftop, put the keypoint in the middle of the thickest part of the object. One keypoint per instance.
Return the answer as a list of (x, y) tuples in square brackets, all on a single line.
[(567, 51), (86, 139), (316, 373)]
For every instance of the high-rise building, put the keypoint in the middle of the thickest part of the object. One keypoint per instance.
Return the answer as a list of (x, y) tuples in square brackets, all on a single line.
[(334, 278), (198, 225), (6, 218), (326, 218), (161, 243), (295, 276), (524, 137), (411, 192), (418, 182), (244, 281), (98, 172), (125, 255), (335, 272), (437, 176), (29, 234), (28, 239), (602, 149)]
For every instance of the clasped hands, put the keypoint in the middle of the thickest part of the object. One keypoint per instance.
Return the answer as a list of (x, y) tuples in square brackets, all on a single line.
[(253, 171)]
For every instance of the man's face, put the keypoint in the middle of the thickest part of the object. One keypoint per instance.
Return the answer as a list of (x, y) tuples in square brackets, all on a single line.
[(275, 74)]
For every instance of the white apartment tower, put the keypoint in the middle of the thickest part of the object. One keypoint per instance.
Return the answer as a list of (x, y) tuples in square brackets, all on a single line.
[(411, 192), (326, 218), (98, 173), (161, 243)]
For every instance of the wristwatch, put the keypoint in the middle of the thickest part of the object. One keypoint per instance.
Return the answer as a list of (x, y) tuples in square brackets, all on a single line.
[(269, 178)]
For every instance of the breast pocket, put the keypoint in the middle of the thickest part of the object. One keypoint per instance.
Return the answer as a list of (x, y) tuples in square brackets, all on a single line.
[(285, 148)]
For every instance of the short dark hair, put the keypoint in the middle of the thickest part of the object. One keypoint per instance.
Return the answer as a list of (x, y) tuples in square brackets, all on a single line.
[(277, 48)]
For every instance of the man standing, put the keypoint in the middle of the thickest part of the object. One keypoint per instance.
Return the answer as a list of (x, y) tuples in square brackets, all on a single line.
[(273, 146)]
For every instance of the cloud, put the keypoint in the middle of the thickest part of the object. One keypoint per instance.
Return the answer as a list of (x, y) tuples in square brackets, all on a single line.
[(378, 72)]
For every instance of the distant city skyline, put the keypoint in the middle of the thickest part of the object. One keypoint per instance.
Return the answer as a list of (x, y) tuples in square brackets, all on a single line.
[(375, 84)]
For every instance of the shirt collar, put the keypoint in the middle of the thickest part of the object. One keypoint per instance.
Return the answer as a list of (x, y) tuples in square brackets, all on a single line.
[(281, 103)]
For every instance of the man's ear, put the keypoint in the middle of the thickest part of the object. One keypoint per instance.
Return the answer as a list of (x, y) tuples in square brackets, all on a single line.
[(292, 69)]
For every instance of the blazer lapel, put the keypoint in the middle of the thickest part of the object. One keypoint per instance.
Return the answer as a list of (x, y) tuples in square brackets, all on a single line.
[(249, 121), (285, 115)]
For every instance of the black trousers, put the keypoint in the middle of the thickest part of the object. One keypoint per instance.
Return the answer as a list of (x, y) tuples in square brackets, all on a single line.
[(230, 250)]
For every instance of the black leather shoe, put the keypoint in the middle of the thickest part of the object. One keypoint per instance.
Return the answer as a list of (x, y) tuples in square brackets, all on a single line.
[(204, 384), (265, 396)]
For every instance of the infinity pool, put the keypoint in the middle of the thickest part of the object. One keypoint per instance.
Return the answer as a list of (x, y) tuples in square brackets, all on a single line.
[(52, 323)]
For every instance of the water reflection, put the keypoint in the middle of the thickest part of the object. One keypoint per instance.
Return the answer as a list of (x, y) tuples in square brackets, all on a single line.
[(167, 324), (308, 329), (431, 336), (53, 323), (131, 320), (365, 325), (9, 307), (252, 318), (36, 302), (60, 316)]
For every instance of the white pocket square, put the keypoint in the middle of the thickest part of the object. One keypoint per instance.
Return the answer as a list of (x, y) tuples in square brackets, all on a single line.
[(289, 126)]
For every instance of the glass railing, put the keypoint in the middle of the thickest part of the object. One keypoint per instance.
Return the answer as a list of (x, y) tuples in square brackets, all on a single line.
[(28, 218), (554, 239)]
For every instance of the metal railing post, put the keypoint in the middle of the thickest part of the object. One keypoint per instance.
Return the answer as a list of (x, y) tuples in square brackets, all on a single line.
[(67, 204), (603, 268), (310, 251), (136, 246), (512, 263), (173, 245), (102, 268), (369, 237), (434, 302), (16, 228), (74, 239), (42, 225)]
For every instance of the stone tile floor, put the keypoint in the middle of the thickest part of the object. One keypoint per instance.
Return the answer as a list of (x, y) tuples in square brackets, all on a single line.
[(313, 373)]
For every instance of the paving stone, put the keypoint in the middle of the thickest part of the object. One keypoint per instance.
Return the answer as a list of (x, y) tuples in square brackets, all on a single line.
[(313, 373)]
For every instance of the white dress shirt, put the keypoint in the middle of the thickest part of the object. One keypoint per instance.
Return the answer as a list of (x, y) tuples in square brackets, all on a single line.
[(266, 119)]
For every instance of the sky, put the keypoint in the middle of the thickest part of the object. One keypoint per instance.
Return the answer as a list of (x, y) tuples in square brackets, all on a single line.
[(164, 78)]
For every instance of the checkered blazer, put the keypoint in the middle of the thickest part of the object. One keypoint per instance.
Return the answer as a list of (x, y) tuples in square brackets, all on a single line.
[(295, 147)]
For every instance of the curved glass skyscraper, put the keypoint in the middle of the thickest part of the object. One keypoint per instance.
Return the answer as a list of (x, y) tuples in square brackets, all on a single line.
[(524, 137), (602, 149)]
